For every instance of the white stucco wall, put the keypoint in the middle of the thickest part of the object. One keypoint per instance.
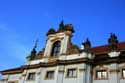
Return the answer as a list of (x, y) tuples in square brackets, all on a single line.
[(26, 72), (83, 75), (36, 61), (12, 77), (101, 81), (113, 76), (84, 72), (76, 56), (81, 68), (122, 80), (43, 74)]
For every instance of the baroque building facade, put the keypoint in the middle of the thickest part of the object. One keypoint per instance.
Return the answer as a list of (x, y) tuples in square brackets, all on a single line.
[(63, 62)]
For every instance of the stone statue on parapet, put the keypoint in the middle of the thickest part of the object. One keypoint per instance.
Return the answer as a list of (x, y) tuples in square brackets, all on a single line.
[(87, 45), (112, 41), (33, 52)]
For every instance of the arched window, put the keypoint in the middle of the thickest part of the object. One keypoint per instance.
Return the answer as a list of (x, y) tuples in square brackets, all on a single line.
[(56, 48)]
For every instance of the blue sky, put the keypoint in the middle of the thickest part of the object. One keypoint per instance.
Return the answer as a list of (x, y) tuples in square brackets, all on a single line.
[(24, 21)]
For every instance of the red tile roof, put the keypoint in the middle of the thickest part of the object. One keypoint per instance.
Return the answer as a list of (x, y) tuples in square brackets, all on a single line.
[(105, 48)]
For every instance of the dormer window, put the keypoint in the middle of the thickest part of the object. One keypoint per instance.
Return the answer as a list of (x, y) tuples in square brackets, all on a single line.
[(56, 48)]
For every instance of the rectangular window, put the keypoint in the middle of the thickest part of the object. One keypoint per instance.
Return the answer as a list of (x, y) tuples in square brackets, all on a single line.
[(31, 76), (101, 74), (50, 74), (123, 73), (71, 73)]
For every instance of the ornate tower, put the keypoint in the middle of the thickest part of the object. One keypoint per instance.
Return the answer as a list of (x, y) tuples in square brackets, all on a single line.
[(57, 41)]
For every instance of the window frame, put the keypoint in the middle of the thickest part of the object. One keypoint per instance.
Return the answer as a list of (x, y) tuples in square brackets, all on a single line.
[(12, 81), (55, 50), (123, 73), (101, 76), (72, 75), (30, 76), (51, 77)]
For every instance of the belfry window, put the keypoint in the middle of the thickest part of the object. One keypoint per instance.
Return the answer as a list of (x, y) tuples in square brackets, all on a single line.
[(56, 48)]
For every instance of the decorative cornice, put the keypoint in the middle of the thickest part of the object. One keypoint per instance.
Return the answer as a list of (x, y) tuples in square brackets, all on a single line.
[(23, 75), (4, 79), (61, 71), (110, 60), (114, 70), (49, 64), (63, 62), (12, 72)]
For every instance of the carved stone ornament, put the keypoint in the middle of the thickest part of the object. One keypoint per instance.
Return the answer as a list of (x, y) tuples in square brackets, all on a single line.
[(87, 45), (68, 27), (51, 31), (33, 54), (61, 26), (112, 41)]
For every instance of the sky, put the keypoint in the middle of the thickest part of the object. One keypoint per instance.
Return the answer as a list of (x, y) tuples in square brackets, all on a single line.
[(22, 22)]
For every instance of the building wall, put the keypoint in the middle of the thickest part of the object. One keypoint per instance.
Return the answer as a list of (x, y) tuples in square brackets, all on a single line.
[(14, 77), (84, 74)]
